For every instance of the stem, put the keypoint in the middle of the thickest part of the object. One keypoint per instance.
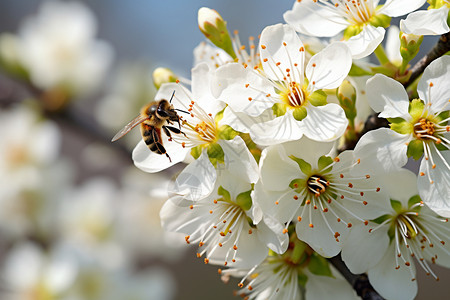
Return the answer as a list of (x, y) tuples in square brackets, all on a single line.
[(360, 283), (381, 55), (442, 47)]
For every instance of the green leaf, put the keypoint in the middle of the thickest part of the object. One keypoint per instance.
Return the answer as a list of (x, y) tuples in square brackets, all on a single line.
[(324, 162), (297, 184), (196, 151), (415, 149), (380, 20), (302, 279), (227, 133), (244, 200), (416, 108), (279, 109), (215, 154), (318, 265), (414, 200), (401, 126), (318, 98), (300, 113), (358, 71), (224, 193), (396, 205), (381, 219), (304, 166)]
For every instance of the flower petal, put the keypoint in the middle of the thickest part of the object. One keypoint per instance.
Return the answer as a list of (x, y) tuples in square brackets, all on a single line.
[(309, 18), (433, 86), (238, 159), (388, 97), (393, 45), (324, 123), (280, 50), (437, 194), (363, 250), (321, 287), (391, 283), (426, 22), (400, 185), (278, 130), (235, 85), (241, 121), (197, 180), (396, 8), (366, 41), (314, 149), (151, 162), (382, 150), (201, 89), (270, 231), (328, 68)]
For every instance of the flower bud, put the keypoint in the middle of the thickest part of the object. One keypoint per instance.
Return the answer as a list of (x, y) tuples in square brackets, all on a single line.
[(346, 94), (214, 27), (409, 45), (163, 75)]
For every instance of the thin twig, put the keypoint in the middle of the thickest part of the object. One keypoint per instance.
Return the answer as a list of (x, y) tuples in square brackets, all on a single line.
[(442, 47)]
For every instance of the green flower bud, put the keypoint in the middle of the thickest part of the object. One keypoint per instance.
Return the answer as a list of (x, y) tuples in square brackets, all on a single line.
[(346, 95), (215, 29), (409, 46), (163, 75)]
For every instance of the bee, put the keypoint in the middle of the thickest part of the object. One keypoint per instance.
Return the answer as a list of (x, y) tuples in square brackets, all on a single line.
[(153, 117)]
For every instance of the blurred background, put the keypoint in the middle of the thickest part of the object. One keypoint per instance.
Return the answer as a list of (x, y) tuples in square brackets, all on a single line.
[(77, 219)]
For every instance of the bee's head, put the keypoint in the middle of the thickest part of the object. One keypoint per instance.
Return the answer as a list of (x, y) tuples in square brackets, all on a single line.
[(165, 110)]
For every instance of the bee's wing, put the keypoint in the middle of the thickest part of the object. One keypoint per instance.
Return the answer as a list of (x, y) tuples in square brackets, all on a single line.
[(133, 123)]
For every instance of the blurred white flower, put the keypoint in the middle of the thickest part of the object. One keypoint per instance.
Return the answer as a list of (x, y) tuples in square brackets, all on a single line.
[(87, 220), (59, 49), (30, 273), (139, 225)]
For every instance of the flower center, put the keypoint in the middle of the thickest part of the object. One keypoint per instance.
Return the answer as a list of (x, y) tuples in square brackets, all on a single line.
[(206, 131), (294, 96), (358, 12), (424, 129), (317, 185)]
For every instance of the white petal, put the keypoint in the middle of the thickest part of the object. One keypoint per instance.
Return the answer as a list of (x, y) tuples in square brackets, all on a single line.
[(363, 250), (366, 41), (270, 231), (229, 84), (324, 123), (426, 22), (319, 237), (151, 162), (281, 45), (197, 180), (201, 89), (181, 98), (393, 45), (438, 73), (241, 121), (309, 18), (276, 169), (437, 194), (322, 287), (328, 68), (61, 271), (400, 185), (308, 150), (391, 283), (284, 210), (388, 97), (238, 159), (396, 8), (382, 150), (279, 130)]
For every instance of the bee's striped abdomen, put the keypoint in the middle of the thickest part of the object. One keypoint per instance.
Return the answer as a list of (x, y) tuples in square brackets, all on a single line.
[(152, 138)]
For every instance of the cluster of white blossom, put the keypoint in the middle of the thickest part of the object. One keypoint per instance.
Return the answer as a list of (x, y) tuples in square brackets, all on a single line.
[(269, 192)]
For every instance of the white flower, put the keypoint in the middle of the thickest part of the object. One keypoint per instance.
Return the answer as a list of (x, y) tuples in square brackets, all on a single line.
[(201, 129), (29, 272), (299, 181), (408, 230), (419, 127), (428, 22), (297, 274), (283, 99), (362, 21), (58, 48), (225, 223)]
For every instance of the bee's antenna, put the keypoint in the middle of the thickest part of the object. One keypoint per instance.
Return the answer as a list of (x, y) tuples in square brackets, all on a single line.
[(183, 111), (170, 101)]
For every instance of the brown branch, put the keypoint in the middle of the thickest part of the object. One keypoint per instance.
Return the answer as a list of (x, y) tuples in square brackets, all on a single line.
[(442, 47), (360, 283)]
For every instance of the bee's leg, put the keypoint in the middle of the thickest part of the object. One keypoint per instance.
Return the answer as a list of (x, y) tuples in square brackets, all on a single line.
[(174, 129), (159, 146), (167, 132)]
